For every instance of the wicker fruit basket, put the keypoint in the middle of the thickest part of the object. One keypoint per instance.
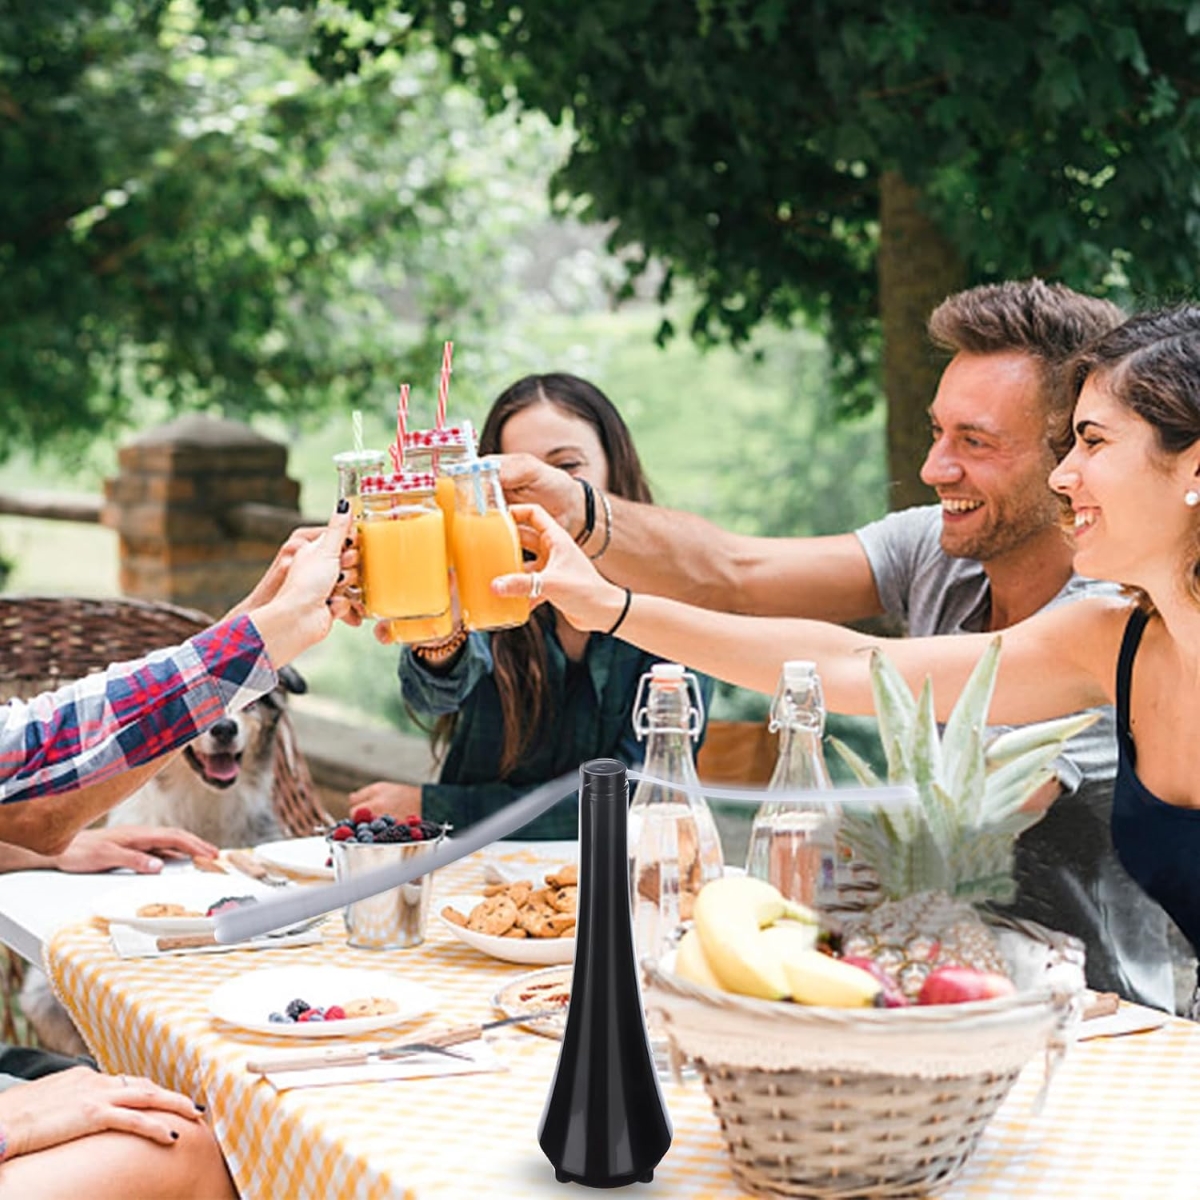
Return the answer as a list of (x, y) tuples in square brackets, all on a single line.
[(834, 1104)]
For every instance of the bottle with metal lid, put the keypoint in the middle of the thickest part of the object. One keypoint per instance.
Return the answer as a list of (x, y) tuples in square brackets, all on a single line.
[(484, 544), (793, 843), (403, 547), (674, 847)]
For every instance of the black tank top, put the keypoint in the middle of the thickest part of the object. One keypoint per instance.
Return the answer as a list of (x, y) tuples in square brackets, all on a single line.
[(1157, 843)]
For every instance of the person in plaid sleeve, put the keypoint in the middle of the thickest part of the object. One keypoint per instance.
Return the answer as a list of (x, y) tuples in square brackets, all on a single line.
[(90, 730), (92, 742)]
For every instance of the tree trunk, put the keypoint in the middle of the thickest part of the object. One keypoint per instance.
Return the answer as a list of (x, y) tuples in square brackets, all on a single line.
[(918, 268)]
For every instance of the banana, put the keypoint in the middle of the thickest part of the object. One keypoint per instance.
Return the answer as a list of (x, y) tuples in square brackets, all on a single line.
[(730, 915), (815, 978), (690, 963)]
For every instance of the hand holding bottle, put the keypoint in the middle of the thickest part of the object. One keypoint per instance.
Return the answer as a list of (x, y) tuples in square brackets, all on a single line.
[(561, 574)]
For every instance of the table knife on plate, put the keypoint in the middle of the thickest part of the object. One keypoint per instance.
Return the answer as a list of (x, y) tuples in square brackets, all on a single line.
[(349, 1056)]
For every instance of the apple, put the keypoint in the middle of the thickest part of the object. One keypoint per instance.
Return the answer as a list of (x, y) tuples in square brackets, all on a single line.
[(954, 985), (893, 997)]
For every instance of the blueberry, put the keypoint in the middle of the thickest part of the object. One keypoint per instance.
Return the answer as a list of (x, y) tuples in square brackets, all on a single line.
[(366, 836), (277, 1018), (388, 820), (378, 825)]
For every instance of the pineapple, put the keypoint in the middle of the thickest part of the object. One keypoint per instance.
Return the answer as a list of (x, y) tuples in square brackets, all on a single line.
[(936, 859)]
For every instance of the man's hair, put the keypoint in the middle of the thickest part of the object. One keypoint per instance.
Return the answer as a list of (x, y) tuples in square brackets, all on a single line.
[(1047, 321)]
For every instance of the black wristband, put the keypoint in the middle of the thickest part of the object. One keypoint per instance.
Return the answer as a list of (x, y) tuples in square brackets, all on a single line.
[(624, 614), (589, 512)]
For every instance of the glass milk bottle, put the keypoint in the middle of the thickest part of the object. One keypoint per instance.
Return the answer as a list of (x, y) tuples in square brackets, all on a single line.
[(485, 544), (793, 844), (353, 466), (403, 548), (674, 849), (432, 451)]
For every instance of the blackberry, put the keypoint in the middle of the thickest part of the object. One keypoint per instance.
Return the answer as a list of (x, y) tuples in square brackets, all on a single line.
[(226, 903), (295, 1008)]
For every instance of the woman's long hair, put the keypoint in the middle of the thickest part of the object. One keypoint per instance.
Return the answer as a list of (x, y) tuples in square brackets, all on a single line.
[(519, 654)]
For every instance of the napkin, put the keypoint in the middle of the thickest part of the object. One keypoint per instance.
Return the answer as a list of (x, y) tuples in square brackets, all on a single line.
[(135, 943), (1129, 1018), (480, 1057)]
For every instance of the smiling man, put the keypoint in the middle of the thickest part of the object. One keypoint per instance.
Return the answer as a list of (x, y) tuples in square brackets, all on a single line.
[(990, 553)]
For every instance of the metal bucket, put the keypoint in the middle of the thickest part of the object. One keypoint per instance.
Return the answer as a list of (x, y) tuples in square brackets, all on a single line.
[(392, 920)]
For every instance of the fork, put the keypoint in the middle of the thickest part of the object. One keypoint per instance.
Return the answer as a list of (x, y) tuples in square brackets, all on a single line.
[(245, 862)]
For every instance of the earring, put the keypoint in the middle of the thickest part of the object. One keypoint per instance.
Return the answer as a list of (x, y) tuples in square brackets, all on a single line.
[(1191, 497)]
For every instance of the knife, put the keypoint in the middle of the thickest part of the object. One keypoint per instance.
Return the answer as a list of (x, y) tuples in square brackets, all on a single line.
[(348, 1056)]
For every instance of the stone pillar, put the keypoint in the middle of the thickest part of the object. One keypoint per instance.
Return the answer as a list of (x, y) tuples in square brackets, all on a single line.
[(172, 504)]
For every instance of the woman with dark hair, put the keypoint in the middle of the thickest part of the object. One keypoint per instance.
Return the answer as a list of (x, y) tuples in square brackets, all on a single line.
[(521, 706), (1132, 482)]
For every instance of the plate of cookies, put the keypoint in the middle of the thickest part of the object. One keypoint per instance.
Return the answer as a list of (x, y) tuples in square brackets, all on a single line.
[(521, 922), (318, 1001), (174, 902)]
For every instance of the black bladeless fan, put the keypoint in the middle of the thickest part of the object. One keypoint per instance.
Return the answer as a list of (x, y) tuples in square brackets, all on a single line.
[(605, 1123)]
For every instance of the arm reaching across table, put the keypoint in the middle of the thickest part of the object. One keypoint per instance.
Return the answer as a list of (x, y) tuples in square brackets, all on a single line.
[(1057, 662)]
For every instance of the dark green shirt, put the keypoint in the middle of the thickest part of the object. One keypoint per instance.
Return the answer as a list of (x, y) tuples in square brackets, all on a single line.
[(589, 714)]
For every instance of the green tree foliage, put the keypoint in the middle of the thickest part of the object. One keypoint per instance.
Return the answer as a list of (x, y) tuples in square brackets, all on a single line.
[(748, 143), (193, 214)]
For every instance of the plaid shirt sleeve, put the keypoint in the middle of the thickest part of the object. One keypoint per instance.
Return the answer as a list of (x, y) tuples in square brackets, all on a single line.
[(130, 713)]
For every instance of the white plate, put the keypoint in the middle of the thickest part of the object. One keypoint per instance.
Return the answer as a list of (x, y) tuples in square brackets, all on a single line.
[(303, 856), (197, 892), (543, 951), (248, 1000), (508, 1002)]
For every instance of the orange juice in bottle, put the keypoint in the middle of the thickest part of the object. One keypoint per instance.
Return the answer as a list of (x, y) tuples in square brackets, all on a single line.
[(432, 450), (402, 544), (484, 544)]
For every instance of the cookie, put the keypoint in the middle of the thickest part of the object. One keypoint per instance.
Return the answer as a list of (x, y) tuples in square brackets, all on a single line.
[(566, 899), (154, 911), (454, 917), (494, 916), (370, 1006), (567, 876)]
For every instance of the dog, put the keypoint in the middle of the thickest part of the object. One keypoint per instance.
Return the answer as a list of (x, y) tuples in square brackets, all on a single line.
[(220, 788)]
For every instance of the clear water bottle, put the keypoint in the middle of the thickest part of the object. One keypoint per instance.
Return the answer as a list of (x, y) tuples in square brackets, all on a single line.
[(674, 848), (793, 844)]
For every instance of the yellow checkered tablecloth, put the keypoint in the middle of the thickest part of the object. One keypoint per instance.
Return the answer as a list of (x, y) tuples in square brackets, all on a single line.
[(1120, 1122)]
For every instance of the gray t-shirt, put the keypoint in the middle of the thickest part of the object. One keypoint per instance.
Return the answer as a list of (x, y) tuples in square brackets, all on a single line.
[(1068, 875)]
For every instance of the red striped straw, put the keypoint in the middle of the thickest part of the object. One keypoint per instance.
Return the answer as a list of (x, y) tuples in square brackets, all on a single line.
[(444, 384), (401, 423), (397, 461)]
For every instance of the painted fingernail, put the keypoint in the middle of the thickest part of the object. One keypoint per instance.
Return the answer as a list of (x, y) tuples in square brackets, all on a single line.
[(343, 505), (174, 1135), (329, 602), (347, 544), (202, 1108), (341, 576)]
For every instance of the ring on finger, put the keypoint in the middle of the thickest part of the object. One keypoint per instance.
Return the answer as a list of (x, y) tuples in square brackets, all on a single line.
[(535, 585)]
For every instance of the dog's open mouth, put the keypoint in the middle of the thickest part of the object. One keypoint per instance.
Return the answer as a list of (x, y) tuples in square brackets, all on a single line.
[(217, 770)]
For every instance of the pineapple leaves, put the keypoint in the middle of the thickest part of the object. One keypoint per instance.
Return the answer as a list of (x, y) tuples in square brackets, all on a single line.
[(971, 787)]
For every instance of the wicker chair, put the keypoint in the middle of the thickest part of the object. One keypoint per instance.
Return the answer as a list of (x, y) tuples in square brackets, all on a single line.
[(46, 641)]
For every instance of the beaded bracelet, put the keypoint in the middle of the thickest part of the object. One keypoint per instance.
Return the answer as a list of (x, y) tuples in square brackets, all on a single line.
[(589, 512), (439, 653), (607, 528)]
